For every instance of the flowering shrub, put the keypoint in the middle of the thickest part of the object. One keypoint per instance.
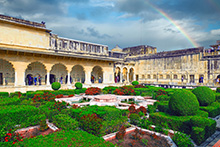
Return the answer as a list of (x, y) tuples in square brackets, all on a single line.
[(132, 109), (93, 91), (161, 92), (71, 95), (45, 97), (141, 111), (139, 86), (91, 123), (13, 137), (59, 96), (124, 91), (121, 133), (74, 106), (60, 105)]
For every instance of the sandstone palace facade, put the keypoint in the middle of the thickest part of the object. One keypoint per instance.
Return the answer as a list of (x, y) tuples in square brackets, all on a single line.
[(31, 54)]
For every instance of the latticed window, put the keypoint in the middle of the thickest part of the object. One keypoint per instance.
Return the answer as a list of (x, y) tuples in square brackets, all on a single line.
[(161, 76), (148, 76), (167, 76), (154, 76)]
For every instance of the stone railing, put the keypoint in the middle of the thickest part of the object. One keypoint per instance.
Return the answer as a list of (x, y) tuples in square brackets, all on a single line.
[(76, 46), (209, 52)]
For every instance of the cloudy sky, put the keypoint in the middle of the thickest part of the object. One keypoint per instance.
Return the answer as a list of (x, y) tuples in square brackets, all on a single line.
[(165, 24)]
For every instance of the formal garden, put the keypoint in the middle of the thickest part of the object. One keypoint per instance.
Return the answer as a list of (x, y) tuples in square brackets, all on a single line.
[(187, 112)]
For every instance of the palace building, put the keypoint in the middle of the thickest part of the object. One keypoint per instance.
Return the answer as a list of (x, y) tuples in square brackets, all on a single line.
[(31, 54)]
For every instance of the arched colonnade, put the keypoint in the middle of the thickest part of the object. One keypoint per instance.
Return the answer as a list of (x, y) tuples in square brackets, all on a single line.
[(124, 74), (38, 73)]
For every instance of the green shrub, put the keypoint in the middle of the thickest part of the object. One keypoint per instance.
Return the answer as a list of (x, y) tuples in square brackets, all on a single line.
[(162, 97), (4, 94), (55, 85), (16, 94), (137, 93), (91, 123), (182, 140), (198, 135), (202, 114), (163, 106), (9, 101), (66, 138), (112, 126), (78, 91), (213, 110), (65, 122), (135, 83), (218, 89), (134, 118), (17, 113), (177, 123), (78, 85), (151, 108), (217, 97), (204, 95), (202, 128), (183, 103)]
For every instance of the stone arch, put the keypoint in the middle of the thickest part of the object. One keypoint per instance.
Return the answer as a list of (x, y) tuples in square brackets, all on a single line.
[(35, 71), (7, 72), (77, 74), (117, 74), (124, 74), (58, 73), (97, 75)]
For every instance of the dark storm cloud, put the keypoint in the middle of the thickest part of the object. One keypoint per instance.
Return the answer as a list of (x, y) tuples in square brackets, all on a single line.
[(178, 9), (94, 33), (30, 7)]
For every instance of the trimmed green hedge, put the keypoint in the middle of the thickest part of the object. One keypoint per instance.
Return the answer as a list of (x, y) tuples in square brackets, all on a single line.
[(163, 106), (204, 95), (4, 94), (213, 110), (183, 103), (177, 123), (217, 97), (186, 124), (78, 91), (65, 122), (64, 139), (78, 85), (202, 128), (55, 85), (135, 83), (113, 125), (17, 113), (9, 101)]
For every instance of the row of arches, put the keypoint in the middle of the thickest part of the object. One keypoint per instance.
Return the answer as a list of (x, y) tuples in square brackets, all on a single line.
[(124, 76), (36, 74)]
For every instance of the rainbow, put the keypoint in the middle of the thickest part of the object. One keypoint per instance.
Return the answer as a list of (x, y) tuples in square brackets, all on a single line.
[(166, 16)]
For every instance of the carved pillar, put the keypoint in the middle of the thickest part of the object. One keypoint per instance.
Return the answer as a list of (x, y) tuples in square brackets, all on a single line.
[(48, 78), (88, 77), (48, 68), (19, 73), (127, 77), (121, 76), (133, 77), (68, 78)]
